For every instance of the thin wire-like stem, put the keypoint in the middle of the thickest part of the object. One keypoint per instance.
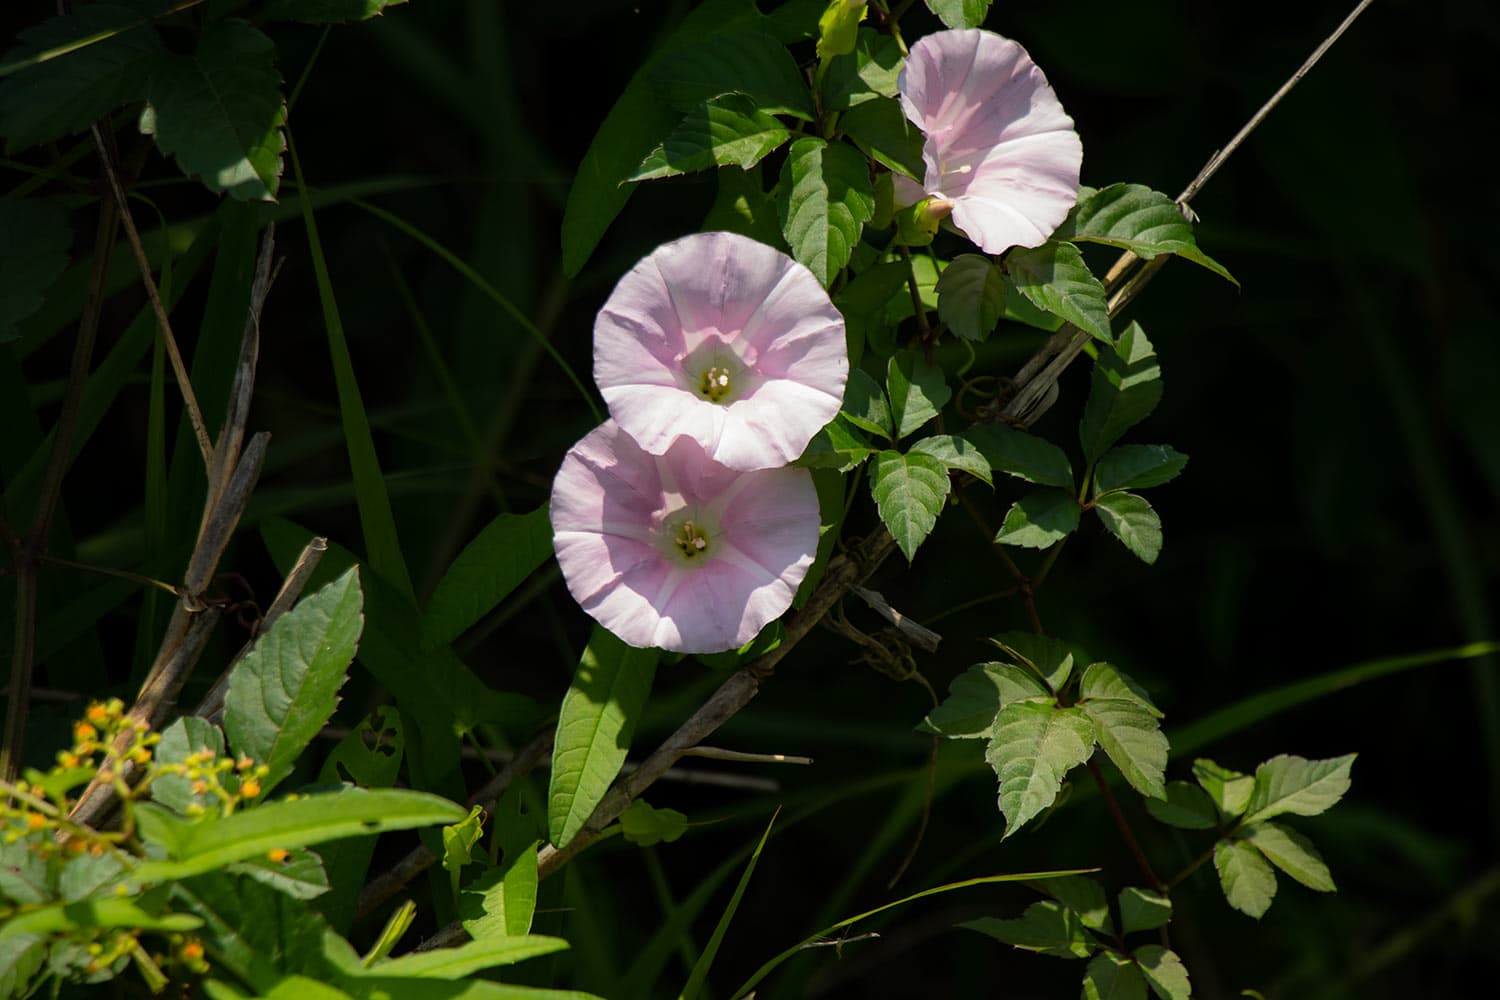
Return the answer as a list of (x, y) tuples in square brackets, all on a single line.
[(1126, 833)]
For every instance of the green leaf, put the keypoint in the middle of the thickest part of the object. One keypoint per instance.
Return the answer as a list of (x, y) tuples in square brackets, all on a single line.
[(1187, 806), (1082, 895), (837, 446), (1290, 784), (1103, 680), (1143, 910), (960, 13), (728, 130), (20, 957), (1037, 520), (1136, 467), (1164, 972), (1292, 853), (504, 553), (1229, 790), (54, 96), (956, 453), (465, 960), (458, 845), (976, 696), (304, 988), (971, 296), (34, 238), (1248, 881), (740, 61), (1111, 977), (644, 825), (1025, 456), (824, 199), (1034, 746), (594, 728), (187, 735), (1133, 217), (219, 111), (865, 302), (300, 875), (1055, 278), (870, 72), (501, 902), (370, 756), (837, 28), (883, 133), (1049, 658), (1131, 518), (194, 848), (93, 914), (742, 206), (699, 972), (1046, 927), (286, 688), (324, 11), (1126, 387), (909, 491), (1134, 741), (918, 391)]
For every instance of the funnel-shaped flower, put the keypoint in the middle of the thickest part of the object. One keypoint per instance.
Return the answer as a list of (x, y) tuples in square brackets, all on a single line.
[(726, 341), (999, 146), (677, 550)]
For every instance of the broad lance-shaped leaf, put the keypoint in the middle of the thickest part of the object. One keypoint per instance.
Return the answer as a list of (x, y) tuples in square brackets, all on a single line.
[(1034, 746), (976, 696), (1104, 680), (1055, 278), (1136, 467), (1164, 972), (1230, 790), (737, 60), (1037, 520), (728, 130), (957, 454), (594, 728), (286, 688), (1133, 739), (1133, 217), (1290, 784), (1049, 658), (1025, 456), (34, 238), (918, 391), (1247, 880), (1131, 518), (1292, 853), (1187, 807), (1125, 389), (883, 133), (824, 199), (1112, 977), (871, 71), (219, 111), (1046, 927), (466, 959), (503, 554), (93, 914), (971, 296), (909, 491), (960, 13), (64, 94), (1143, 910)]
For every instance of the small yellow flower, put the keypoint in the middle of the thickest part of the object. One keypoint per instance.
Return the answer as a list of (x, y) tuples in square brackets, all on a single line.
[(192, 951), (250, 789), (67, 759), (278, 854), (35, 821), (83, 731), (97, 714)]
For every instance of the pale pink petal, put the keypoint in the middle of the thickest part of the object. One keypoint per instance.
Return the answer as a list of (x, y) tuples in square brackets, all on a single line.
[(998, 143)]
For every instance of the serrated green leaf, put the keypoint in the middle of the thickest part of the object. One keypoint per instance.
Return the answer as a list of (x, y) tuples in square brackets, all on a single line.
[(644, 825), (465, 960), (194, 848), (871, 71), (187, 735), (92, 914), (1292, 853), (1082, 895), (1131, 518), (1229, 790), (219, 111), (1033, 748), (960, 13), (1125, 389), (1025, 456), (1049, 658), (1112, 977), (1248, 881), (299, 875), (883, 133), (34, 238), (1136, 467), (1037, 520), (324, 11), (909, 491), (956, 453), (1134, 741), (1055, 278), (865, 405), (837, 28), (1143, 910), (728, 130), (1164, 972), (1104, 680), (1187, 807), (976, 696), (918, 391), (1296, 785), (1133, 217), (823, 199), (594, 728), (971, 296), (837, 446), (738, 60), (505, 552), (286, 688), (1046, 928), (63, 94)]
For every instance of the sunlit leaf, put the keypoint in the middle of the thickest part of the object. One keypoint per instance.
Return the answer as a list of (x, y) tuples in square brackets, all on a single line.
[(824, 199), (909, 492), (1034, 746)]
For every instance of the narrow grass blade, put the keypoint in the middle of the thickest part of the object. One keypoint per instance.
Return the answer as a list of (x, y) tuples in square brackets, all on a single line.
[(711, 950)]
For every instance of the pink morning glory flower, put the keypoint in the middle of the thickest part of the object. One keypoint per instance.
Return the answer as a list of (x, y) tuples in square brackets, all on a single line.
[(723, 340), (1000, 149), (677, 550)]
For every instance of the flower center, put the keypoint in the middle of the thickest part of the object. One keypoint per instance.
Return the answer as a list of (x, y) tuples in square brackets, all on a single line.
[(690, 541), (714, 385)]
